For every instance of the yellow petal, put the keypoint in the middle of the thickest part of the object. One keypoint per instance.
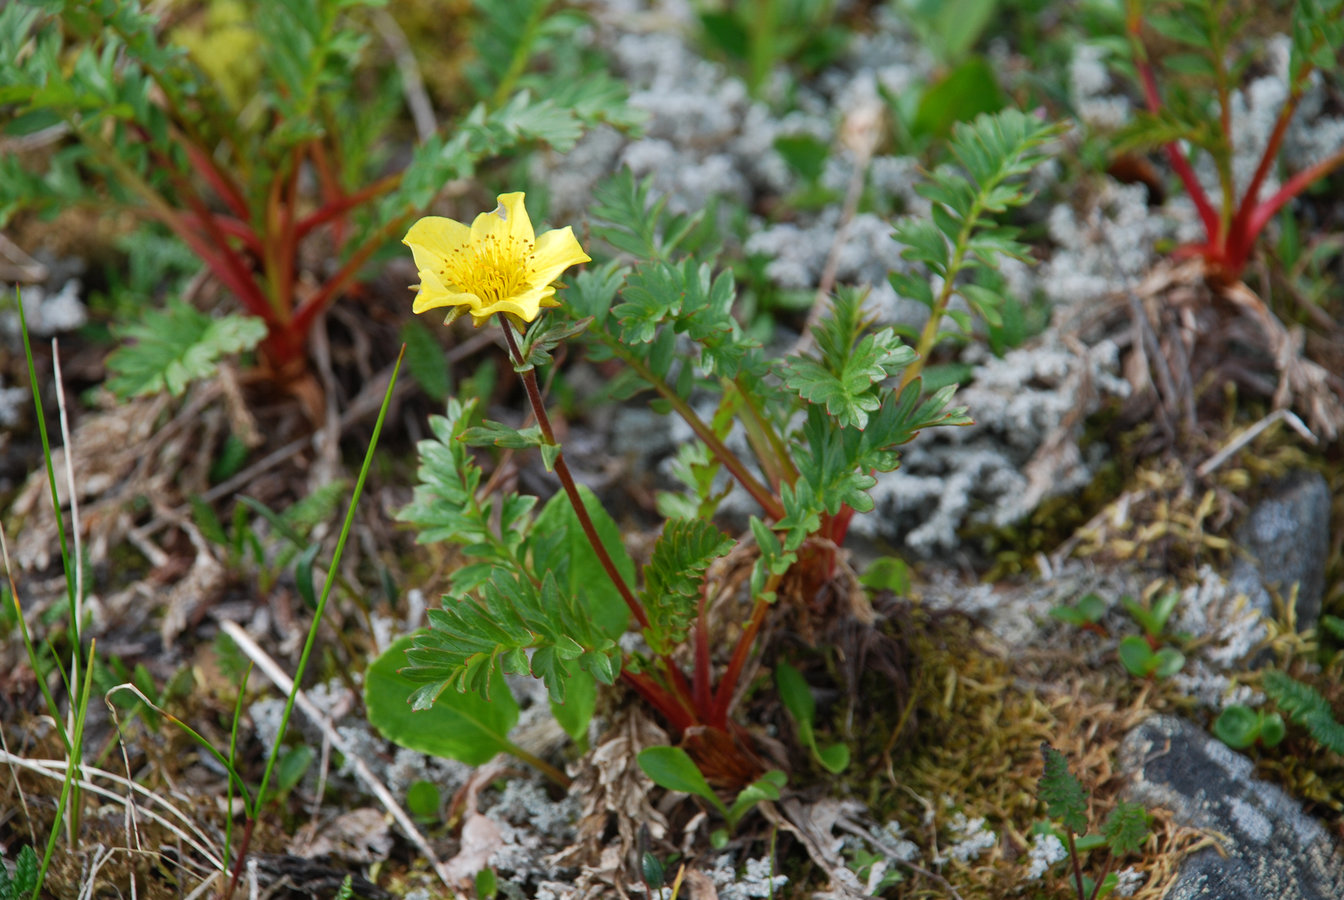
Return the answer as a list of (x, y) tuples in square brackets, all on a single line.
[(434, 239), (434, 294), (526, 306), (505, 223), (556, 251)]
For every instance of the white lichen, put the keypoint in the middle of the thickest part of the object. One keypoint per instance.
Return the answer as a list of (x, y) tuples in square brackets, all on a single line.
[(1046, 850)]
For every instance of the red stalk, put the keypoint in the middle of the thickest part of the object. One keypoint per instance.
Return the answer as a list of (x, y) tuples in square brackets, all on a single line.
[(675, 712), (223, 185), (703, 693), (1290, 189), (311, 308), (286, 239), (1179, 164), (334, 210), (723, 696), (567, 482), (227, 225)]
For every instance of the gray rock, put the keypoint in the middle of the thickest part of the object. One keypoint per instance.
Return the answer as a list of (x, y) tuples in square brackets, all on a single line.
[(1275, 851), (1287, 536)]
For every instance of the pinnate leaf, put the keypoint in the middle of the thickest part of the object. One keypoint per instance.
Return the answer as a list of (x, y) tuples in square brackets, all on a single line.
[(673, 577), (176, 346), (1063, 794)]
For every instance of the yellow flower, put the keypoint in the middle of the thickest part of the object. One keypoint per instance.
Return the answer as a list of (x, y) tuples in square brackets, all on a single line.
[(498, 265)]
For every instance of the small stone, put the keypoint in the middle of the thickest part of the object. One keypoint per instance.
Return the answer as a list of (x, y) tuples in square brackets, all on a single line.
[(1274, 850), (1287, 536)]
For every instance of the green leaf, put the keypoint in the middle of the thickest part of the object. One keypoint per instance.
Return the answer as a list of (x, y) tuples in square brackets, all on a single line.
[(1126, 828), (797, 699), (887, 573), (293, 763), (674, 577), (1169, 661), (426, 361), (558, 545), (461, 726), (967, 91), (1061, 792), (652, 870), (423, 800), (470, 640), (1237, 726), (1305, 706), (172, 348), (672, 768), (843, 378), (950, 27), (543, 336), (500, 435), (1272, 730), (574, 714), (767, 787), (1136, 656)]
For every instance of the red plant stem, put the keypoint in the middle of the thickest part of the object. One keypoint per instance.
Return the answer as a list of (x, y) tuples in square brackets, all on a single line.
[(311, 308), (248, 827), (667, 704), (1208, 215), (1290, 189), (1251, 199), (227, 225), (289, 244), (332, 193), (703, 694), (567, 481), (723, 695), (270, 259), (334, 210), (1077, 865), (212, 246), (223, 185)]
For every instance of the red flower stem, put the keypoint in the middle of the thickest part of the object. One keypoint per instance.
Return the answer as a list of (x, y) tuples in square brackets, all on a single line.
[(1250, 200), (1207, 214), (211, 244), (567, 481), (723, 696), (1077, 864)]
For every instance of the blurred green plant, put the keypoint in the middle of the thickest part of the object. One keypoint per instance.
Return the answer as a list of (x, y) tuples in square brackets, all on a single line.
[(1205, 60), (1147, 655), (1086, 613), (282, 190), (797, 698), (1125, 830), (1307, 707), (1239, 727), (673, 768), (761, 35), (22, 882), (965, 84)]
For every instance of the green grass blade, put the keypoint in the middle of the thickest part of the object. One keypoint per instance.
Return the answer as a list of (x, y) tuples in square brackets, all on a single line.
[(331, 580)]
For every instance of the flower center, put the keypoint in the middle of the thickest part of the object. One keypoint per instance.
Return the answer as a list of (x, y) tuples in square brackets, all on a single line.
[(495, 268)]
